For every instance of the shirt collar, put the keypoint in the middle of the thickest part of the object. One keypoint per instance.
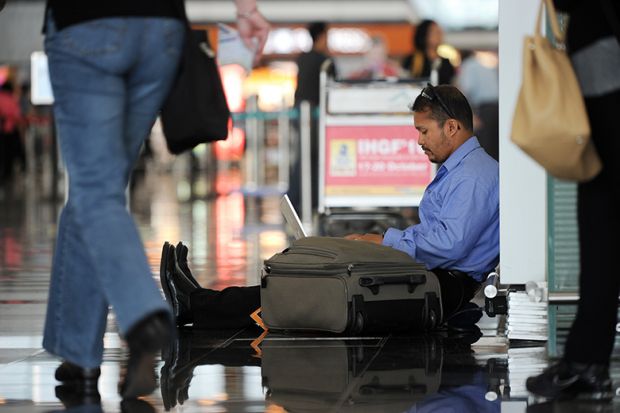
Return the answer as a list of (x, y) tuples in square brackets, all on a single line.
[(461, 152)]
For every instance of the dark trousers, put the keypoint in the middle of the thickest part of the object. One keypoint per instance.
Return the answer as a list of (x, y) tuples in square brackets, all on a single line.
[(228, 308), (11, 150), (231, 307), (591, 338)]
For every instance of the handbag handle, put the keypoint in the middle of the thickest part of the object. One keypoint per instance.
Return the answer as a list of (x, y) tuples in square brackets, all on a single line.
[(373, 283), (553, 18)]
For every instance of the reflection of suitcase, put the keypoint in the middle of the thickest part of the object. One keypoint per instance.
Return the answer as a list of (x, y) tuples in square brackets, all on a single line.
[(339, 375), (344, 286)]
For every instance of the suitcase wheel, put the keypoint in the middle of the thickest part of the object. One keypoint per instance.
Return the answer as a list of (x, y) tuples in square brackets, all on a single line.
[(432, 319), (358, 323)]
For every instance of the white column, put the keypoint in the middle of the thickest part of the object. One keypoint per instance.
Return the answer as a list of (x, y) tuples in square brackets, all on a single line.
[(523, 188)]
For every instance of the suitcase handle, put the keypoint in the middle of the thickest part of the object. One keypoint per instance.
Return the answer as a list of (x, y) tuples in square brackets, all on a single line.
[(374, 282), (375, 389)]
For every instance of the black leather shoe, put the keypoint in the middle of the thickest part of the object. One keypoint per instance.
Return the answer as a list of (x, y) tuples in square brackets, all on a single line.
[(69, 372), (163, 265), (177, 287), (182, 251), (145, 341), (570, 380)]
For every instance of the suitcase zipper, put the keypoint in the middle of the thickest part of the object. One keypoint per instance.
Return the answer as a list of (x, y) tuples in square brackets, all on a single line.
[(288, 269), (363, 270), (358, 270), (310, 251)]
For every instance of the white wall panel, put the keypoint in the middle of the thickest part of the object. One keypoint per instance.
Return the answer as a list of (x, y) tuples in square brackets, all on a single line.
[(522, 182), (20, 31)]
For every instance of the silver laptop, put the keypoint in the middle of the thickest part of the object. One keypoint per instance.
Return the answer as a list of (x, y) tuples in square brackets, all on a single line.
[(291, 218)]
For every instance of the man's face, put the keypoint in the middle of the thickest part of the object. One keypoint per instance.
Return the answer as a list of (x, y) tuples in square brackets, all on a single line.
[(435, 143)]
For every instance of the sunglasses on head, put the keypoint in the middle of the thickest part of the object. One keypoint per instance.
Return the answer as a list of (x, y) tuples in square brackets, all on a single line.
[(429, 93)]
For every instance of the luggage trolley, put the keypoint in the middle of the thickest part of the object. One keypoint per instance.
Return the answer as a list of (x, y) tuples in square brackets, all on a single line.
[(370, 163)]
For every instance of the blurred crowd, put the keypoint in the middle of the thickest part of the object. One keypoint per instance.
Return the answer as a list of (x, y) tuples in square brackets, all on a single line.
[(26, 134)]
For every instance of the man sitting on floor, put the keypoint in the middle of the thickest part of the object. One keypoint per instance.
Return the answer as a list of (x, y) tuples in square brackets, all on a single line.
[(457, 237)]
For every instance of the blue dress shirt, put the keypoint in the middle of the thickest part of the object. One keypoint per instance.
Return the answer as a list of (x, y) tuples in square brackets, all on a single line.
[(459, 216)]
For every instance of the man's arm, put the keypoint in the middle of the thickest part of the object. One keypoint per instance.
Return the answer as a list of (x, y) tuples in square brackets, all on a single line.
[(468, 210)]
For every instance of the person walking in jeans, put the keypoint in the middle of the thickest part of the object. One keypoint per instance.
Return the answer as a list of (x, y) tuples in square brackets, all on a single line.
[(111, 66)]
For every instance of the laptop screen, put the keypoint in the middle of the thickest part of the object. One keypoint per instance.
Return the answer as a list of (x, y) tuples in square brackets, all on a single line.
[(291, 217)]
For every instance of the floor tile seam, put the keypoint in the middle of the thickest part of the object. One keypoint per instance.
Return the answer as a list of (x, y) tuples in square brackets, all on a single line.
[(10, 363), (347, 392), (217, 347)]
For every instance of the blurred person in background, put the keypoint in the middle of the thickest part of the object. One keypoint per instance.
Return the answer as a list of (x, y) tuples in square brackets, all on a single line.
[(377, 63), (11, 144), (425, 61), (478, 79), (308, 89), (111, 66), (309, 65), (594, 48)]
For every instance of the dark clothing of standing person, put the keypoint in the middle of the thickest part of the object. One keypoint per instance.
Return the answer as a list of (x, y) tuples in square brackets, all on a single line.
[(308, 89), (111, 66), (594, 49), (423, 69), (11, 144), (309, 70), (424, 60)]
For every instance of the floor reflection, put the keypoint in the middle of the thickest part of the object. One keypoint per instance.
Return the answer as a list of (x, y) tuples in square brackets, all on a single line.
[(379, 374)]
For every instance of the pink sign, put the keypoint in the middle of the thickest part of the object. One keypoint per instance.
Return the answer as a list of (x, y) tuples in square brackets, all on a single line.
[(375, 160)]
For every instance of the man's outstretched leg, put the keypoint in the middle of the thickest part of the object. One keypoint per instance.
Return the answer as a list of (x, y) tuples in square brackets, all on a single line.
[(204, 308)]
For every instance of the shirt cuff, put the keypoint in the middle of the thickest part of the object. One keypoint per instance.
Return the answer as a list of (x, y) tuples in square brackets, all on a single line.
[(392, 237)]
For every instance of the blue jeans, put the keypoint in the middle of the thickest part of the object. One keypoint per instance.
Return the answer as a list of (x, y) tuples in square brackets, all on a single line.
[(109, 77)]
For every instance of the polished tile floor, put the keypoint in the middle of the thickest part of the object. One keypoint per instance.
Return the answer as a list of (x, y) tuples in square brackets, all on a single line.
[(229, 235)]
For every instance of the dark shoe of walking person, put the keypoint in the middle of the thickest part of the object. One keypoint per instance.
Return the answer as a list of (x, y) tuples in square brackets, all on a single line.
[(68, 372), (182, 251), (136, 406), (145, 341), (76, 395), (177, 287), (570, 380), (570, 406)]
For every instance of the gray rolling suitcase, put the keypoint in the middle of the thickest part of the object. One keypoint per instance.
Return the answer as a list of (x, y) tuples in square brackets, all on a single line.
[(343, 286)]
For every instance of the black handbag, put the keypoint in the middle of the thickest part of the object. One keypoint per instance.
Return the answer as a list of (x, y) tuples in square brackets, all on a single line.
[(195, 110)]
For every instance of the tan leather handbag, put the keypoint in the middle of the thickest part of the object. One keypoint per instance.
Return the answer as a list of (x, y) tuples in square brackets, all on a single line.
[(550, 122)]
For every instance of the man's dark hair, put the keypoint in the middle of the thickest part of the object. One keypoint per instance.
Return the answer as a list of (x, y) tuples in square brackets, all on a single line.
[(316, 29), (452, 98), (420, 35)]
